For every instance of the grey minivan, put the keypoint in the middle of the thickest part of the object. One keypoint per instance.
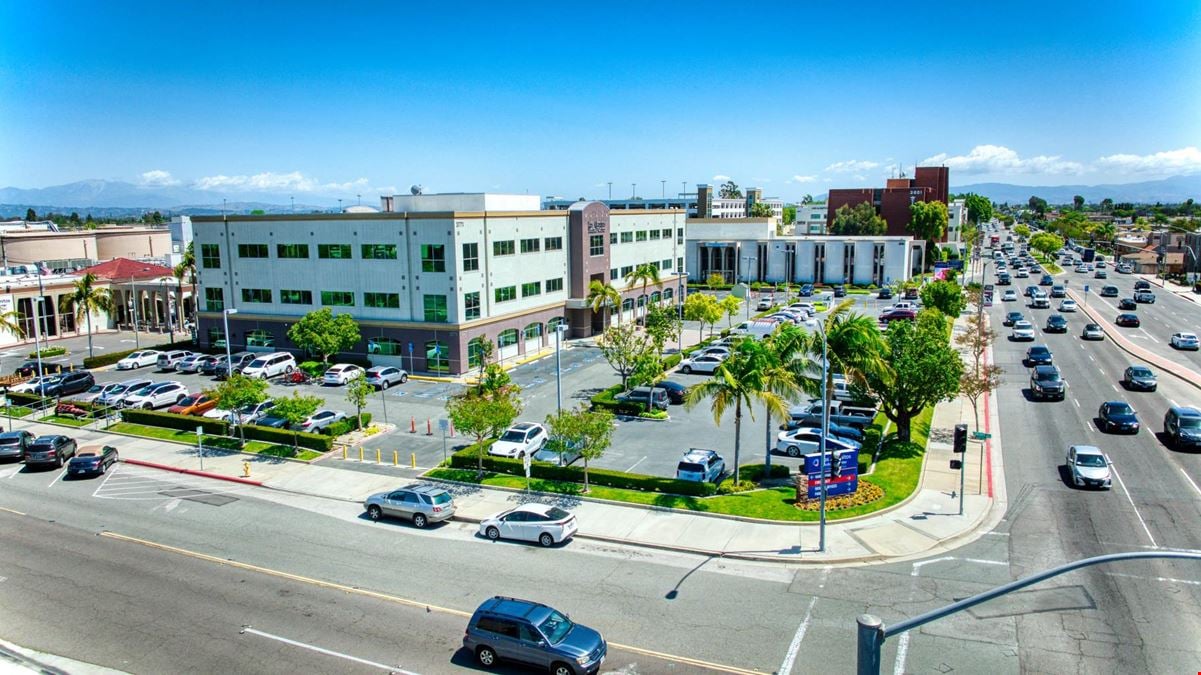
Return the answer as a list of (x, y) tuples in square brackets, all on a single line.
[(532, 633), (422, 504)]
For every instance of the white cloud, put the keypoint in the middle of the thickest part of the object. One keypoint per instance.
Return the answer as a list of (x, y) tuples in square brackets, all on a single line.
[(852, 166), (803, 179), (720, 178), (1184, 160), (158, 178), (281, 182), (998, 159)]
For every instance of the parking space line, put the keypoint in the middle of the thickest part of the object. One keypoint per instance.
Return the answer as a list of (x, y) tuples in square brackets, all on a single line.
[(1131, 500), (58, 477), (635, 464), (1115, 388), (1075, 401), (1190, 482), (327, 652)]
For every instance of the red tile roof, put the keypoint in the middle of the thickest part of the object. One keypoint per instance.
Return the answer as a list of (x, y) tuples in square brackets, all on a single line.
[(119, 269)]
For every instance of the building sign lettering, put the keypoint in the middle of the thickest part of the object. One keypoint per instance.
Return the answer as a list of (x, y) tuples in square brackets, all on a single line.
[(597, 227)]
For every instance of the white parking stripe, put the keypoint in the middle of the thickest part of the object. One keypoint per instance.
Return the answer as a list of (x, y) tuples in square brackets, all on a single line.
[(327, 652), (1190, 482), (1142, 522), (58, 477)]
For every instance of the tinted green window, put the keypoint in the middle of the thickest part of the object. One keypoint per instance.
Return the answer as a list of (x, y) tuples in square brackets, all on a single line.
[(337, 298), (553, 285), (252, 250), (532, 288), (256, 295), (259, 338), (596, 244), (210, 256), (333, 251), (654, 234), (612, 238), (640, 235), (214, 299), (384, 300), (291, 251), (433, 258), (627, 237), (384, 346), (296, 297), (475, 352), (471, 305), (531, 245), (437, 357), (506, 293), (435, 308), (503, 247), (379, 251), (471, 257), (507, 338), (216, 338), (553, 244)]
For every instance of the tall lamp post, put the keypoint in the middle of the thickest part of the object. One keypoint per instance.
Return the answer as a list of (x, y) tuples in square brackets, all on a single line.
[(133, 300), (559, 330), (747, 259), (228, 355), (821, 544)]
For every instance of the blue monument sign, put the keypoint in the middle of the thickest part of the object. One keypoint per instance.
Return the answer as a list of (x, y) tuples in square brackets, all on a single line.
[(842, 476)]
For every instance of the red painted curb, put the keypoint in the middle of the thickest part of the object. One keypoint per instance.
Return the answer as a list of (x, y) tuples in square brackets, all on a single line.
[(193, 472)]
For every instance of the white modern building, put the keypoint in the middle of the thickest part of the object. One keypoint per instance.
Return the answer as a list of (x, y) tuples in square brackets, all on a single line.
[(429, 278), (699, 204), (750, 250), (956, 219), (810, 218)]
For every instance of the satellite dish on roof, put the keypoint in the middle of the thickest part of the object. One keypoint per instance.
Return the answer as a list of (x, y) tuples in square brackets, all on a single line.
[(416, 189)]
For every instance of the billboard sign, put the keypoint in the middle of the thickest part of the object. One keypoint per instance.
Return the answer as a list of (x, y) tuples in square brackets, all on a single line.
[(842, 475)]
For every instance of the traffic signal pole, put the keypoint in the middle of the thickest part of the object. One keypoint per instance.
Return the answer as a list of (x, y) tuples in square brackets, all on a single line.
[(960, 448)]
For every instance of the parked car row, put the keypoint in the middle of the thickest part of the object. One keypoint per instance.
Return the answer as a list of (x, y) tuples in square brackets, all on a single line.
[(55, 451)]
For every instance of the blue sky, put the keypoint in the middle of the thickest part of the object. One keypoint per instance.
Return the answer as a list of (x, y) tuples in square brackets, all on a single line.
[(561, 98)]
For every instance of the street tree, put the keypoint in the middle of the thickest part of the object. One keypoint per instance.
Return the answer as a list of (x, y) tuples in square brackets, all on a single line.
[(858, 220), (928, 221), (483, 416), (760, 210), (1046, 243), (84, 299), (589, 432), (296, 409), (1021, 230), (702, 308), (920, 369), (1038, 205), (185, 272), (789, 215), (979, 208), (730, 190), (237, 392), (730, 305), (1078, 202), (977, 338), (662, 324), (643, 275), (945, 296), (623, 347), (974, 384), (358, 390), (602, 296), (322, 333), (715, 279)]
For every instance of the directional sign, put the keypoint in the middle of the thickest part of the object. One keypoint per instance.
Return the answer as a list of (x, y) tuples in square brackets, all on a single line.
[(981, 436), (1086, 288), (842, 477)]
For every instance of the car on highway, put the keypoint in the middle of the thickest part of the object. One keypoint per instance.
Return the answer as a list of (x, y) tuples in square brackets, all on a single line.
[(509, 629), (1088, 467), (1030, 291), (545, 524), (1021, 273), (700, 364), (1067, 305), (1127, 303), (422, 504), (1058, 291), (1128, 320), (1022, 330), (382, 377), (1109, 291), (1100, 274), (1012, 318), (1038, 355), (1056, 324), (806, 440), (321, 420), (14, 443), (1187, 341), (1047, 382), (54, 449), (519, 440), (1009, 295), (143, 357), (1139, 378), (701, 466), (1144, 297), (92, 460), (1003, 278), (65, 384), (1182, 427), (1142, 285), (1081, 269), (194, 404), (1092, 331), (155, 395), (1046, 280), (1040, 301), (1117, 416), (169, 360), (341, 373)]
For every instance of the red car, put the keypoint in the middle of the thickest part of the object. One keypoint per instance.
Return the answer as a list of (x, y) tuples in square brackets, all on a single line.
[(898, 315), (1130, 320)]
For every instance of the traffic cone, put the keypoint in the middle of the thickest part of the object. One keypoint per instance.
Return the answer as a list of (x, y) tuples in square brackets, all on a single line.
[(429, 427)]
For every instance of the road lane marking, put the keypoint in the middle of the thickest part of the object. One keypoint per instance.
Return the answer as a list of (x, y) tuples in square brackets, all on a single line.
[(795, 645), (1131, 500), (395, 599), (1173, 403), (7, 510), (1115, 387), (327, 652), (1190, 582), (1075, 401), (1090, 357), (1190, 482)]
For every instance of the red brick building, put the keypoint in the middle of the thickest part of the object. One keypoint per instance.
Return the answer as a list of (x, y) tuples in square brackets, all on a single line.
[(929, 183)]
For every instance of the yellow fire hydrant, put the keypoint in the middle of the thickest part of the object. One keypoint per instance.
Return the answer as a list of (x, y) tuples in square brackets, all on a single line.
[(246, 469)]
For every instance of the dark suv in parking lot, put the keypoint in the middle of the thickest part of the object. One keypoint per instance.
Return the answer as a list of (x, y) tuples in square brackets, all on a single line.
[(529, 632), (68, 383), (53, 450)]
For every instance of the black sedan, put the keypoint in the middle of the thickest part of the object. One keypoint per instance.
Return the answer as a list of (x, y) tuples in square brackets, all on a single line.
[(1128, 320), (1140, 378), (1056, 324), (675, 391), (1038, 355), (1114, 416), (30, 368), (840, 291), (885, 294), (1012, 318), (73, 382), (92, 461), (273, 422), (1127, 303)]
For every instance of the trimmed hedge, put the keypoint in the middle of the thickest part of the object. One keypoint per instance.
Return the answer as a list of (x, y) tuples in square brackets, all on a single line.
[(606, 400), (754, 472), (284, 437), (23, 398), (346, 426), (173, 421), (50, 351), (112, 357), (573, 474)]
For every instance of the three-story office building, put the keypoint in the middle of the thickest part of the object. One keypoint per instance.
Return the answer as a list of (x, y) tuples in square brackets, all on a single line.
[(432, 277)]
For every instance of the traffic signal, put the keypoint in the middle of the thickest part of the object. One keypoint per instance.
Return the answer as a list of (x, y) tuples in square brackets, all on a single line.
[(960, 438), (835, 465)]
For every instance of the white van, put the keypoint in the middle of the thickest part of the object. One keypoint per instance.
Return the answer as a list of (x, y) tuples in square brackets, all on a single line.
[(757, 328), (270, 365)]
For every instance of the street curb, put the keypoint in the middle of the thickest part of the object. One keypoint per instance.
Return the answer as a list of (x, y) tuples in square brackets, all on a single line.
[(192, 472), (189, 445)]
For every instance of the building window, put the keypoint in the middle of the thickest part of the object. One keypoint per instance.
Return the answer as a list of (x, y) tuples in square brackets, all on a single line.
[(384, 346), (553, 285), (381, 251), (471, 305), (640, 235), (553, 243), (531, 288), (507, 338), (680, 235), (471, 257), (382, 300), (612, 238), (667, 233), (437, 357), (259, 338), (216, 338), (553, 324), (627, 237), (596, 245), (667, 294), (506, 293), (532, 332), (679, 265), (433, 258), (625, 271), (654, 234), (531, 245), (665, 265), (613, 274), (503, 247), (627, 305), (291, 251), (295, 297), (214, 299), (475, 352), (210, 256), (337, 298), (656, 297), (252, 250), (333, 251), (435, 308), (256, 295)]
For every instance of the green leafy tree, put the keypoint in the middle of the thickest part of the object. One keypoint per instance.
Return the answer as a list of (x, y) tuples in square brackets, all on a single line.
[(296, 409), (358, 391), (602, 296), (702, 308), (186, 270), (237, 392), (1021, 231), (590, 432), (1046, 243), (1107, 205), (740, 382), (730, 190), (85, 299), (760, 210), (859, 220), (1038, 205), (920, 369), (928, 221), (974, 384), (30, 214), (807, 199), (979, 208), (715, 279), (945, 296), (482, 416), (662, 324), (324, 334), (1105, 232), (789, 215), (730, 307), (623, 347), (643, 275), (1078, 202)]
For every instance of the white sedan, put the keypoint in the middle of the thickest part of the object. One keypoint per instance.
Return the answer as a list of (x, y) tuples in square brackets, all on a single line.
[(341, 373), (705, 363), (1022, 330), (33, 384), (1009, 295), (1184, 341), (145, 357), (1067, 306), (547, 525), (807, 440)]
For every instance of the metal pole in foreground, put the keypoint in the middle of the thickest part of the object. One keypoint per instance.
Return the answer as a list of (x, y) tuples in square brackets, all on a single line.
[(870, 640), (558, 369), (821, 544), (200, 445), (228, 356)]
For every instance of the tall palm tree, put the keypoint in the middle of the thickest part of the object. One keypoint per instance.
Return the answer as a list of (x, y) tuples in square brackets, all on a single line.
[(743, 379), (11, 322), (186, 268), (85, 299), (602, 295), (644, 275)]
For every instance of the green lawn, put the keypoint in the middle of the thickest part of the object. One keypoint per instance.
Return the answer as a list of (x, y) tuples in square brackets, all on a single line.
[(1047, 263), (210, 441), (15, 410), (67, 419)]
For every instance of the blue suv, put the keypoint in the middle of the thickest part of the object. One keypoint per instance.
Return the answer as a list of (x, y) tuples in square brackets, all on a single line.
[(529, 632)]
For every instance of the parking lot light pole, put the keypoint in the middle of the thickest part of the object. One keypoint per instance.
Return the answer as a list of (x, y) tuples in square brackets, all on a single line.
[(229, 365), (559, 330), (821, 544)]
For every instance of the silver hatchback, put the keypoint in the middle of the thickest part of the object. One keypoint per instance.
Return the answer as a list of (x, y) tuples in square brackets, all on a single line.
[(422, 504)]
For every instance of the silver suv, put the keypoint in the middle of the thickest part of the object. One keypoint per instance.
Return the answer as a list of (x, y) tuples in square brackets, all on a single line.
[(532, 633), (701, 466), (422, 504)]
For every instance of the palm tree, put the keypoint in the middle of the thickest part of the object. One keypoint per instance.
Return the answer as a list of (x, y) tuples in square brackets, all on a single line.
[(85, 299), (644, 274), (11, 322), (602, 295), (741, 380), (186, 268)]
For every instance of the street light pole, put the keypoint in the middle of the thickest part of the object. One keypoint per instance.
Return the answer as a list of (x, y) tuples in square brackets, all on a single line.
[(133, 289), (559, 330), (821, 545), (228, 356)]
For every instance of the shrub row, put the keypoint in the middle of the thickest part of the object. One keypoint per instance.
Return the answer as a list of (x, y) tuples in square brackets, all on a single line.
[(465, 459), (173, 421), (606, 401), (23, 398), (112, 357), (754, 472), (284, 437), (49, 351), (346, 426)]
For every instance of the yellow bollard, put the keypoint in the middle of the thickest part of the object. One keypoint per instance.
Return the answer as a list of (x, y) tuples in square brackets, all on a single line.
[(246, 469), (395, 458), (377, 455), (343, 452), (360, 453), (413, 460)]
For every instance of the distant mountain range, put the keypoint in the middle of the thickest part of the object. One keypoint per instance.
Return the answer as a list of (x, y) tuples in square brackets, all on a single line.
[(119, 198), (1169, 190)]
